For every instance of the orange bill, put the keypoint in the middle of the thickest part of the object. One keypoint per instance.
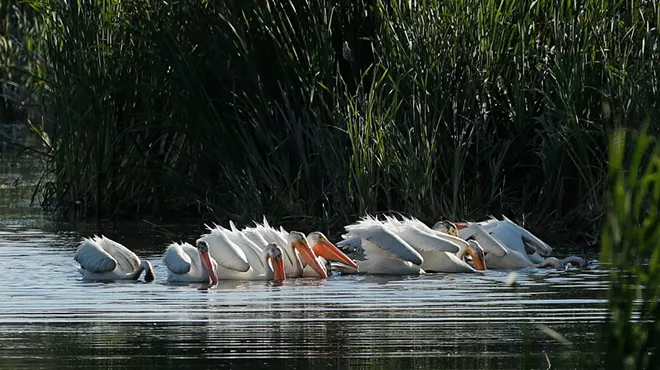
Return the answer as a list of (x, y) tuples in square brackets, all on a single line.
[(461, 225), (278, 269), (213, 275), (330, 252), (479, 263), (309, 258)]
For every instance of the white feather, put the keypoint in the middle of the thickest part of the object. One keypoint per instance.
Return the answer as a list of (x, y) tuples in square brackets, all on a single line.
[(420, 239), (101, 258), (184, 264), (176, 259), (491, 244), (368, 229), (92, 257), (225, 252)]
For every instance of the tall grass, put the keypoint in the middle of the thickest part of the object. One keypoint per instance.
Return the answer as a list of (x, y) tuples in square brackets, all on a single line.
[(319, 111), (631, 246)]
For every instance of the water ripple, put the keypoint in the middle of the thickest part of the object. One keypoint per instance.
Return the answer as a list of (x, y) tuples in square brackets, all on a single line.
[(49, 315)]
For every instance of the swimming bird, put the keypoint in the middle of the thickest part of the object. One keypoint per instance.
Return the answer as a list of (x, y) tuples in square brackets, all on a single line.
[(438, 252), (103, 259), (241, 259), (514, 237), (329, 256), (297, 251), (441, 262), (384, 251), (509, 246), (187, 264)]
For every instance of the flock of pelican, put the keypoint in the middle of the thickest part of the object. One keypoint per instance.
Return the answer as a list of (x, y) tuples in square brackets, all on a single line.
[(393, 246)]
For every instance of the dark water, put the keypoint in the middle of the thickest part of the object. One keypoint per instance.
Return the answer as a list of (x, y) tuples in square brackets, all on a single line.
[(49, 318)]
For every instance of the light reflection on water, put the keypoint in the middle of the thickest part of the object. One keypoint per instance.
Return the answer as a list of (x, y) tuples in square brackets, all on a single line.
[(49, 317)]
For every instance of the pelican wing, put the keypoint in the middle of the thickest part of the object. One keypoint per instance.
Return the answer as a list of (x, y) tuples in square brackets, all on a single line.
[(426, 242), (487, 241), (252, 251), (385, 240), (125, 258), (350, 243), (177, 260), (539, 245), (225, 252), (93, 258)]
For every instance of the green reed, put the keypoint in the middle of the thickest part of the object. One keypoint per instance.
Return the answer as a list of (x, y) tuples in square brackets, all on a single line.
[(320, 111), (631, 248)]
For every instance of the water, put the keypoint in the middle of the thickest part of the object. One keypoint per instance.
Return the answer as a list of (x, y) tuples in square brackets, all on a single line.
[(50, 318)]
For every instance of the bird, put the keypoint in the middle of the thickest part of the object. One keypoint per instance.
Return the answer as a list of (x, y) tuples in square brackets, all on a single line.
[(438, 252), (516, 237), (328, 256), (103, 259), (494, 251), (263, 257), (440, 262), (297, 250), (509, 246), (242, 249), (187, 264), (239, 258), (384, 251)]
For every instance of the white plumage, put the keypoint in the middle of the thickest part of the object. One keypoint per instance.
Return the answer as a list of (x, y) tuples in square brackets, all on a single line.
[(522, 248), (418, 244), (515, 237), (103, 259), (384, 251), (241, 258), (185, 264), (230, 257), (297, 253)]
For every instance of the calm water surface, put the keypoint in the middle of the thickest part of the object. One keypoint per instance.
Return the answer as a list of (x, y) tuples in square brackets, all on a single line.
[(50, 318)]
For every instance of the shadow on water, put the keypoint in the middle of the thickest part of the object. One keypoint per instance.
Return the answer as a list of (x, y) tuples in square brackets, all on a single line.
[(50, 318)]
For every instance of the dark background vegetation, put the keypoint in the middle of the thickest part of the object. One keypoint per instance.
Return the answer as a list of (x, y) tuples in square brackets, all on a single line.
[(317, 112)]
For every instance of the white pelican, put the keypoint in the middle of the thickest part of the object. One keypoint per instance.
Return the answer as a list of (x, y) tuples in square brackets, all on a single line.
[(491, 246), (441, 262), (514, 237), (329, 256), (242, 246), (105, 260), (508, 246), (297, 251), (439, 252), (187, 264), (240, 259), (384, 251), (265, 259)]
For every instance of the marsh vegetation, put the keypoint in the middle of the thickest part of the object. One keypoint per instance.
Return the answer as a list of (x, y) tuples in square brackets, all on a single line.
[(319, 111)]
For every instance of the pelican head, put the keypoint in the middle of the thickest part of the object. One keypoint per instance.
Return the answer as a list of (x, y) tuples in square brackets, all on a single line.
[(149, 274), (324, 248), (203, 248), (477, 253), (446, 227), (299, 243), (273, 255)]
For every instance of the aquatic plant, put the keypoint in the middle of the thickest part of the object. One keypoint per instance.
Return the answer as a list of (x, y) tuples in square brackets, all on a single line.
[(631, 248), (321, 111)]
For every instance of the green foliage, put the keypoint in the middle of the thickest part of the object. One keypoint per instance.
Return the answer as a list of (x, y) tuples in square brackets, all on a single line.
[(320, 111), (631, 245)]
